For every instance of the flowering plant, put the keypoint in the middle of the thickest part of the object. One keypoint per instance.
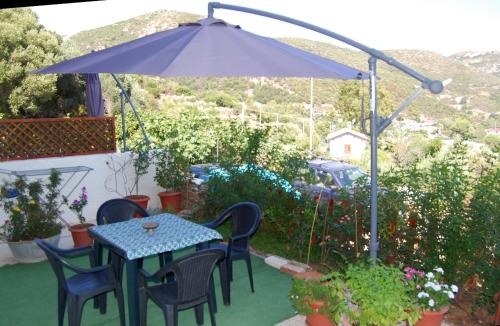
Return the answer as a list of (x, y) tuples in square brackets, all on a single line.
[(429, 290), (78, 204), (32, 208)]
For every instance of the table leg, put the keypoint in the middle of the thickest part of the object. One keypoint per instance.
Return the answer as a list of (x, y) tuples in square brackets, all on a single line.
[(132, 292)]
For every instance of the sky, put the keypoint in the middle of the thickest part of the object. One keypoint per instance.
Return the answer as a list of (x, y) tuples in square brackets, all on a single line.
[(443, 26)]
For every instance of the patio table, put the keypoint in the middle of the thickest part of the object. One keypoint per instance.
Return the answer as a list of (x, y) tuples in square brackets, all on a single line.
[(131, 241)]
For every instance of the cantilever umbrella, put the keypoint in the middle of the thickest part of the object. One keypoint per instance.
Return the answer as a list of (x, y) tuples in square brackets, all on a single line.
[(207, 48)]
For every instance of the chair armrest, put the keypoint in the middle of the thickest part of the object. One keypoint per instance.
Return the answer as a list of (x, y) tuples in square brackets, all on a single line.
[(219, 220), (82, 270), (75, 252), (145, 276), (242, 236), (156, 277)]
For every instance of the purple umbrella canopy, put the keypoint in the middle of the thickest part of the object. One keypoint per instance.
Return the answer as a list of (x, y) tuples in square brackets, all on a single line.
[(207, 48), (93, 96)]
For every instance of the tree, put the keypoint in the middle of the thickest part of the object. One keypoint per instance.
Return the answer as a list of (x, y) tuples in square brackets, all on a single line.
[(348, 101), (25, 45)]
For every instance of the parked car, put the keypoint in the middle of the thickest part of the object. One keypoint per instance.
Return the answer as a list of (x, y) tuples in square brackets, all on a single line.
[(330, 177)]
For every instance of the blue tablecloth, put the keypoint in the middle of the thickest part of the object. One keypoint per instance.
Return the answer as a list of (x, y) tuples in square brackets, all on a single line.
[(172, 233)]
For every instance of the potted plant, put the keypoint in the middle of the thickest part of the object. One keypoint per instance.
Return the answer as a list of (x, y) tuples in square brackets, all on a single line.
[(375, 295), (140, 162), (80, 232), (431, 294), (321, 304), (33, 212), (172, 175)]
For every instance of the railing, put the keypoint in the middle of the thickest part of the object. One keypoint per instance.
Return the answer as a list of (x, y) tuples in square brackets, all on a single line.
[(22, 139)]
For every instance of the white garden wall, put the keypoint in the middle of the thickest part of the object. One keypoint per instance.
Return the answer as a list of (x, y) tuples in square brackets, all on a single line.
[(100, 183)]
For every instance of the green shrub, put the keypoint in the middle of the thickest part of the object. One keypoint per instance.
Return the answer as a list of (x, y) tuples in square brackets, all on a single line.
[(34, 212), (377, 293)]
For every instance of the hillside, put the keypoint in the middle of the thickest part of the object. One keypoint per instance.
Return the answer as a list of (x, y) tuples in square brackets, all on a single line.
[(488, 61), (474, 93)]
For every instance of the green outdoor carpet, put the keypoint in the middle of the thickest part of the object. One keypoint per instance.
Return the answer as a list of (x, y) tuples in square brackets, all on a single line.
[(28, 296)]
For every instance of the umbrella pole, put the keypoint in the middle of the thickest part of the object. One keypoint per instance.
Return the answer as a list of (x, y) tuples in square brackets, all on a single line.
[(372, 64), (122, 108)]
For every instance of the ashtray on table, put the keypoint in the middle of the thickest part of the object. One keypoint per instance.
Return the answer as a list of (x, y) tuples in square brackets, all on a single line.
[(150, 226)]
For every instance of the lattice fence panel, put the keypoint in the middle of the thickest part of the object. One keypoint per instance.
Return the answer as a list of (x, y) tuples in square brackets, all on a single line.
[(22, 139)]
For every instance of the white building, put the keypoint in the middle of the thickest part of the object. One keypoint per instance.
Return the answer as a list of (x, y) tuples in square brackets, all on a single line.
[(347, 144)]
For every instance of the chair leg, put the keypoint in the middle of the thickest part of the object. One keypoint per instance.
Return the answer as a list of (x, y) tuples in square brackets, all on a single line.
[(211, 289), (103, 302), (170, 313), (121, 303), (75, 308), (61, 305), (98, 262), (212, 312), (229, 264), (225, 284), (248, 260), (198, 313)]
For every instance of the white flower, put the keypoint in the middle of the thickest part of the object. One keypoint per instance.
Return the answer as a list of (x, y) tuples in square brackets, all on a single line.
[(431, 303), (430, 275), (429, 285), (454, 288), (439, 270), (421, 295), (445, 286), (437, 287), (450, 295)]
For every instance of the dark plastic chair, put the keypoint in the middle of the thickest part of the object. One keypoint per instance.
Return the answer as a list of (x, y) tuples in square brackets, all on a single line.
[(120, 210), (246, 218), (85, 284), (190, 287)]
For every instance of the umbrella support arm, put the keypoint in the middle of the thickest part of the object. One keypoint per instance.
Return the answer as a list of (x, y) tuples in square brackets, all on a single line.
[(129, 100), (386, 122), (435, 86)]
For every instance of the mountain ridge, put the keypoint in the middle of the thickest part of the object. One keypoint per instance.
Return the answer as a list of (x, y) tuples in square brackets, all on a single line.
[(474, 94)]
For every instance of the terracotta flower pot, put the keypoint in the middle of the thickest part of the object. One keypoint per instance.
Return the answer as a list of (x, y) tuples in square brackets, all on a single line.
[(432, 318), (317, 319), (170, 201), (80, 234), (141, 200)]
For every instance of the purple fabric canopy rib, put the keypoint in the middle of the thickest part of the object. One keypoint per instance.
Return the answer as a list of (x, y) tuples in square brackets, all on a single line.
[(93, 96), (207, 48)]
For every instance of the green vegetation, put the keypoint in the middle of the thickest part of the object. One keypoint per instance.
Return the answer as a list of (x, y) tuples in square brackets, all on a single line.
[(34, 212), (27, 46)]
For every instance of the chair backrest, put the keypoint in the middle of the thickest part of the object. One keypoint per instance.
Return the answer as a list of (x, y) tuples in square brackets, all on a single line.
[(246, 217), (119, 210), (193, 273), (54, 259)]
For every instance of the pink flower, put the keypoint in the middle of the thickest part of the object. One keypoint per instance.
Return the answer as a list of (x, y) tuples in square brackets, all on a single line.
[(408, 276), (407, 269), (418, 287)]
